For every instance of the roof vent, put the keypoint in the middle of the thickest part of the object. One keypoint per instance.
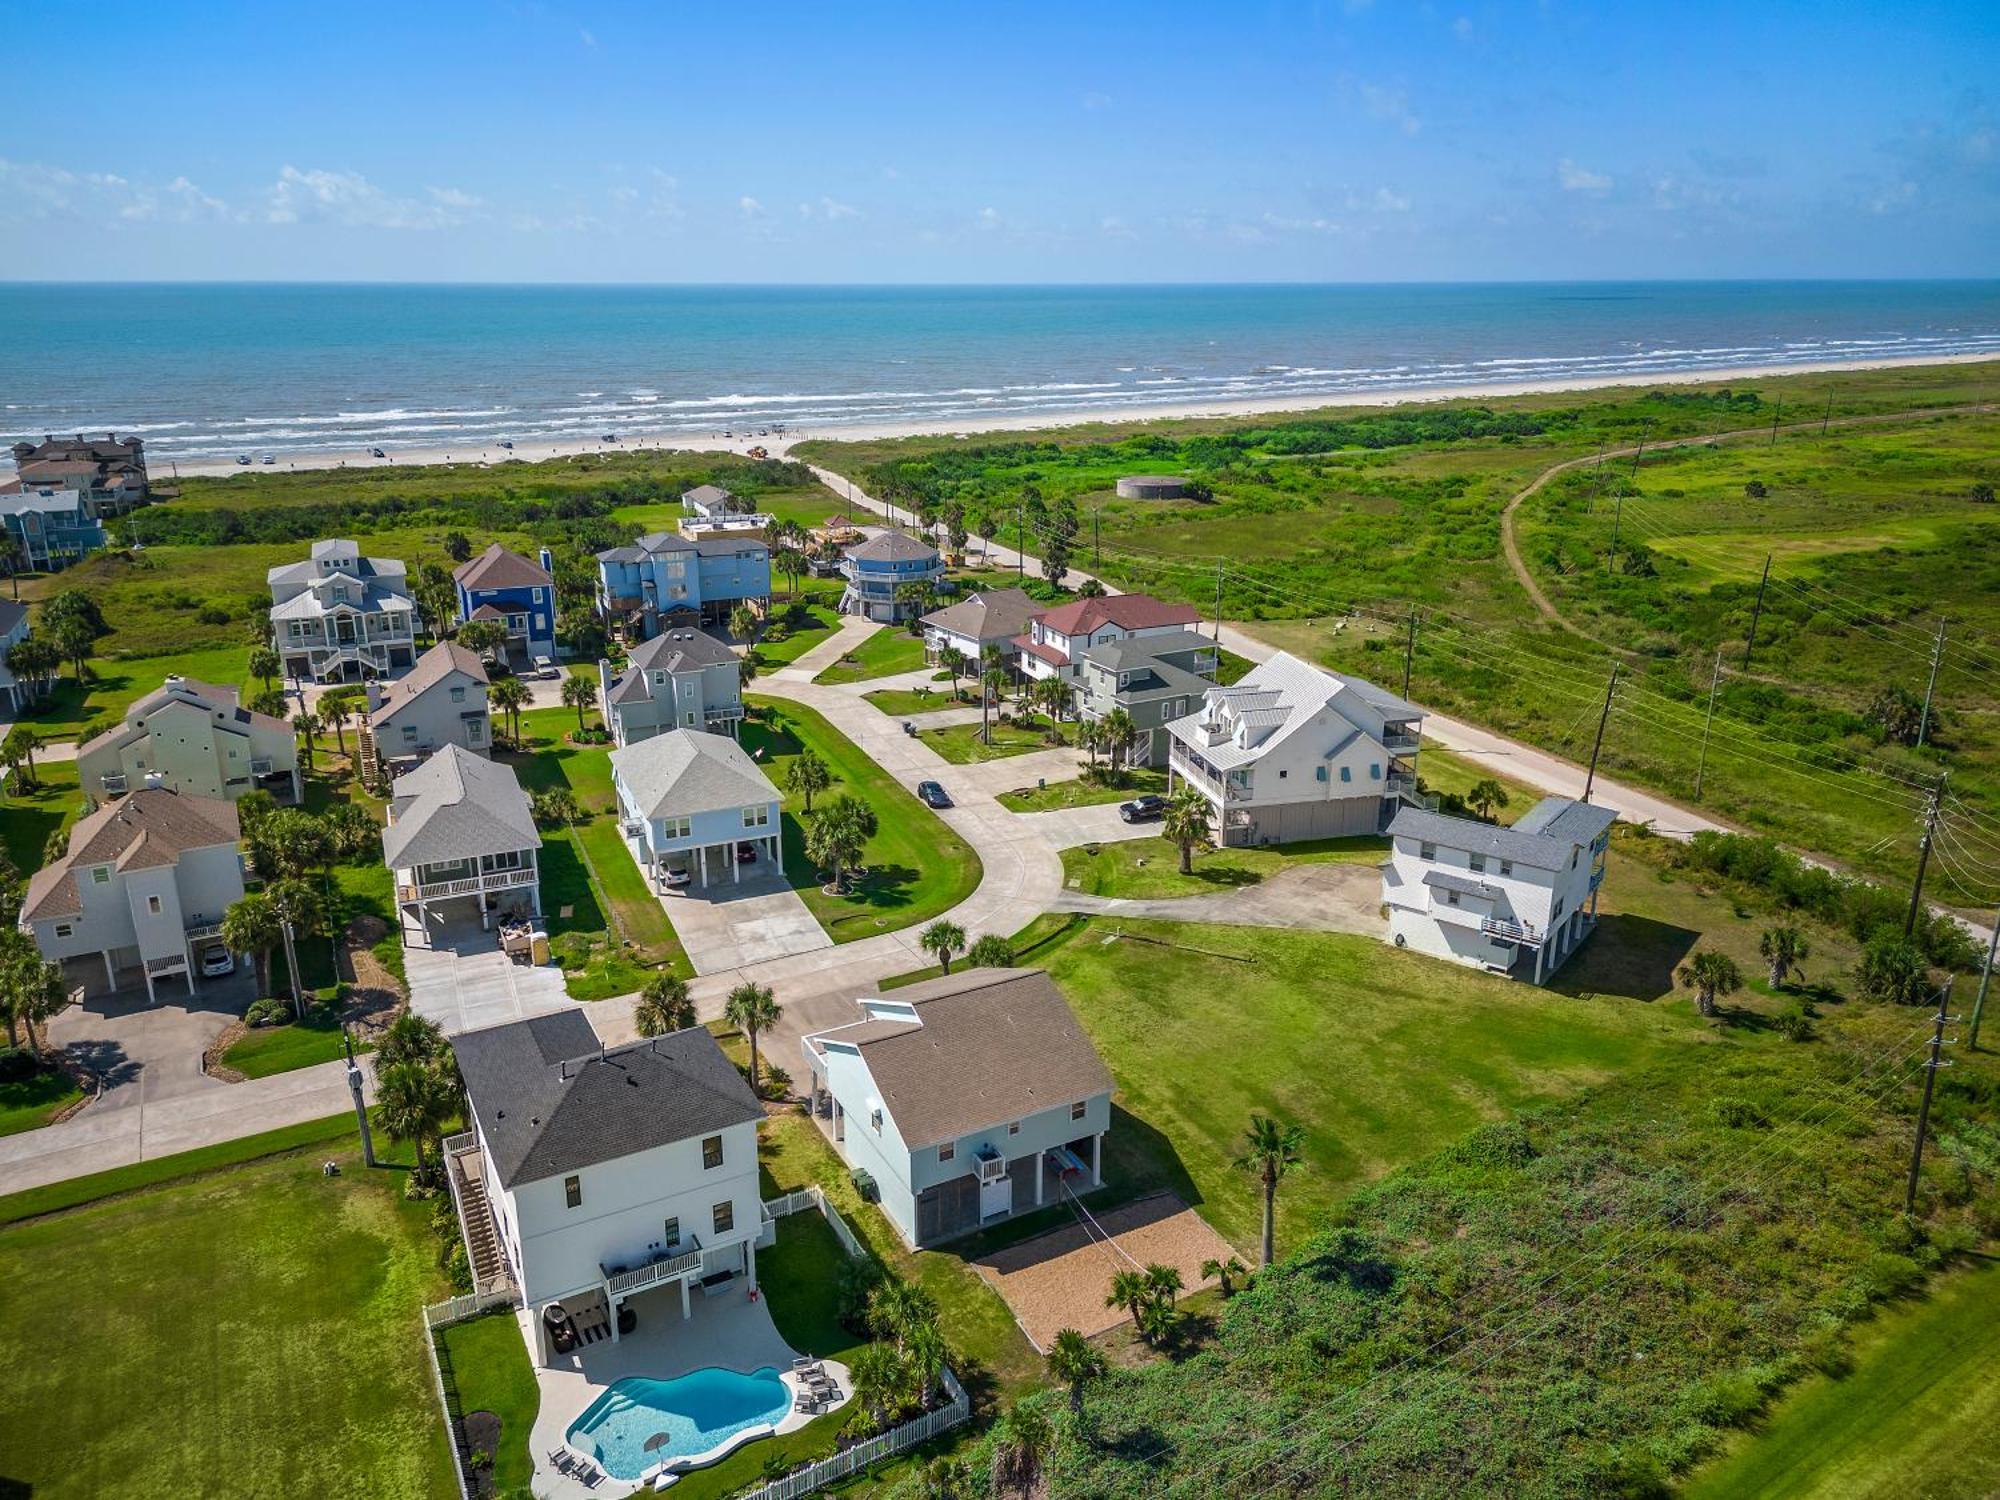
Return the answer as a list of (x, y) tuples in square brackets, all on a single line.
[(633, 1079)]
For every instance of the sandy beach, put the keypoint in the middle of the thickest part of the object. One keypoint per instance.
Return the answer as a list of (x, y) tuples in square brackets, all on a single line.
[(741, 442)]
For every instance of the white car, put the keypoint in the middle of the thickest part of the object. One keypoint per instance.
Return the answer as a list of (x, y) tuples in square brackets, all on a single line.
[(547, 670), (676, 880), (217, 961)]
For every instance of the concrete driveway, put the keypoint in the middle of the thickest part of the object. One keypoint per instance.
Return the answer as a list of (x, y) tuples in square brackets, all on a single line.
[(730, 924), (145, 1052), (461, 980)]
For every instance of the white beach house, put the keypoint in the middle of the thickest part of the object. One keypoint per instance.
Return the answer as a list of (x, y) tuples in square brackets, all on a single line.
[(1291, 752), (192, 737), (339, 616), (966, 1099), (695, 804), (1513, 900), (592, 1175), (1055, 639)]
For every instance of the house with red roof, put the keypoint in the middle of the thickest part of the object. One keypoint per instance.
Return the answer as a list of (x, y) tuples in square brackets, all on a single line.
[(1055, 640)]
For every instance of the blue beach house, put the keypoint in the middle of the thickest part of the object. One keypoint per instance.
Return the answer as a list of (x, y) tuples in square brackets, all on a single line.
[(880, 566), (664, 580), (520, 595), (53, 527)]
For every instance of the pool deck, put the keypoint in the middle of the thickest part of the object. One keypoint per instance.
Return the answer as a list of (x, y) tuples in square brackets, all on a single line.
[(729, 1331)]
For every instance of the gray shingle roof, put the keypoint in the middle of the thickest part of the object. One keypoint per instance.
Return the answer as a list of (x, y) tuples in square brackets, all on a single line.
[(1465, 885), (1561, 818), (457, 806), (892, 546), (991, 615), (432, 668), (550, 1101), (681, 651), (688, 771), (1545, 844), (995, 1045)]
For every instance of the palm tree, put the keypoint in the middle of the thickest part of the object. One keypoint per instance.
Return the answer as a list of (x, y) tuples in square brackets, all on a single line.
[(839, 836), (752, 1008), (746, 669), (265, 664), (1184, 824), (1075, 1361), (481, 636), (1784, 948), (924, 1352), (993, 687), (876, 1374), (1024, 1443), (663, 1006), (578, 693), (1270, 1151), (251, 925), (1117, 728), (1129, 1291), (416, 1102), (11, 558), (510, 696), (743, 624), (412, 1038), (897, 1308), (991, 951), (334, 713), (1710, 974), (1053, 698), (31, 991), (1164, 1282), (1088, 738), (942, 939), (1486, 794), (956, 663), (808, 775), (1223, 1273), (18, 752), (74, 637), (306, 722)]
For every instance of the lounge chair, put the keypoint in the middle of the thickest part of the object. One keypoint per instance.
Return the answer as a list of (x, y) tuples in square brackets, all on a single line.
[(561, 1461)]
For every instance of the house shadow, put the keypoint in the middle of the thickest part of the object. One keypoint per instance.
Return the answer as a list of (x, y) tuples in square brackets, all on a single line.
[(565, 883), (1627, 955)]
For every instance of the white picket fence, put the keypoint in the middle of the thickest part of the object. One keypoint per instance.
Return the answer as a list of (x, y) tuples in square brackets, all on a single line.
[(469, 1305), (884, 1445), (812, 1197)]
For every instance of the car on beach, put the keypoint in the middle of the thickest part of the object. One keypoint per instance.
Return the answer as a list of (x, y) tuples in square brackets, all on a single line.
[(376, 453), (932, 795), (243, 458), (1143, 809), (268, 458), (508, 444)]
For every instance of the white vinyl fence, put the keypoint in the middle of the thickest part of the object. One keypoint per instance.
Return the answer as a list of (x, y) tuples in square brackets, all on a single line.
[(884, 1445), (812, 1197)]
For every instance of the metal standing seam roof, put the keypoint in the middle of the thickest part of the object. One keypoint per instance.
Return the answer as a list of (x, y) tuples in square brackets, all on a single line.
[(456, 806), (988, 1046), (685, 772), (551, 1100), (151, 827)]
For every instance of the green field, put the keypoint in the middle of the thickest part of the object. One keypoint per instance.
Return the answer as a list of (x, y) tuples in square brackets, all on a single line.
[(1081, 791), (1914, 1417), (265, 1313), (265, 1050), (1145, 869), (963, 745), (916, 867), (28, 1101), (29, 819), (890, 650), (805, 626)]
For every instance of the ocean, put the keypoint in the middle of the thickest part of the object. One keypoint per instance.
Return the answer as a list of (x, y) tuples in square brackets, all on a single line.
[(213, 370)]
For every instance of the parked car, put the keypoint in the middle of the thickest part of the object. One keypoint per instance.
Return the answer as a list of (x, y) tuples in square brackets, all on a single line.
[(376, 453), (268, 458), (243, 458), (675, 880), (546, 669), (1142, 809), (746, 854), (508, 444), (217, 961), (933, 795)]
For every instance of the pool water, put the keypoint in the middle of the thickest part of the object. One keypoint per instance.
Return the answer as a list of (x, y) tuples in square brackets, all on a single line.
[(698, 1411)]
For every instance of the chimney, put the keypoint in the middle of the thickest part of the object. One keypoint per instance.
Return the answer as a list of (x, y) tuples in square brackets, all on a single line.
[(548, 559), (375, 694), (604, 686)]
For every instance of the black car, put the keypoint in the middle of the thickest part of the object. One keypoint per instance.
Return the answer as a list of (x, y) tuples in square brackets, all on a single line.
[(932, 794), (1140, 809)]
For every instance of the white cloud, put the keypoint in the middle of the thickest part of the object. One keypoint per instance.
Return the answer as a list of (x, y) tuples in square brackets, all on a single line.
[(347, 198), (451, 197), (34, 190), (1296, 226), (588, 38), (1898, 195), (1391, 105), (828, 208), (749, 207), (1576, 179), (989, 218)]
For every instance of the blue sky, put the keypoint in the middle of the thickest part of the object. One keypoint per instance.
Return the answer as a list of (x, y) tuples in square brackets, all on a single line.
[(515, 140)]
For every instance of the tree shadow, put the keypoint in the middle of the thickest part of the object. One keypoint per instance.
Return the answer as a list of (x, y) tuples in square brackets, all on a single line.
[(105, 1060), (1627, 955)]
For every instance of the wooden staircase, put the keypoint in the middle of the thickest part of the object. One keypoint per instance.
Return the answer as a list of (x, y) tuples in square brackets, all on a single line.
[(482, 1244), (371, 758)]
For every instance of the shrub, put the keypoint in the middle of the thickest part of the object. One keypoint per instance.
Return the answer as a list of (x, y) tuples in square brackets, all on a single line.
[(1739, 1113), (270, 1011), (1795, 1022), (212, 615)]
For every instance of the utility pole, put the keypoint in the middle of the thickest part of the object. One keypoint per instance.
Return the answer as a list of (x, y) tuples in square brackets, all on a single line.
[(1937, 652), (1218, 604), (1757, 613), (1617, 519), (1924, 856), (1590, 780), (1931, 1066), (1021, 540), (1776, 413), (1714, 682), (292, 971), (360, 1105), (1096, 552), (1827, 415), (1985, 978), (1409, 655)]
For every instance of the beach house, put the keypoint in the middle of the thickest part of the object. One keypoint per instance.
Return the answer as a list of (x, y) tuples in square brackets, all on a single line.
[(962, 1100), (516, 594), (1513, 901), (592, 1176), (441, 701), (681, 679), (877, 571), (140, 890), (192, 737), (1155, 678), (1056, 638), (1292, 752), (15, 693), (712, 511), (991, 617), (109, 473), (462, 843), (663, 580), (693, 805), (340, 617), (53, 528)]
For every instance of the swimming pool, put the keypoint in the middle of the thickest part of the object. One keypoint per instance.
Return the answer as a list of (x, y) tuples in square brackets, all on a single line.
[(699, 1412)]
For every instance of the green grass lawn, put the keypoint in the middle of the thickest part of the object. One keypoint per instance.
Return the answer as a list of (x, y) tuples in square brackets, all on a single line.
[(962, 745), (806, 625), (27, 819), (1146, 869), (27, 1101), (909, 703), (248, 1331), (264, 1050), (1081, 792), (116, 682), (1914, 1417), (1046, 930), (916, 866), (890, 650), (489, 1369)]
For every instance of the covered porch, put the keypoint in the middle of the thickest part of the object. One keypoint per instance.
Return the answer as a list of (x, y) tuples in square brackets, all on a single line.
[(662, 1292), (489, 883)]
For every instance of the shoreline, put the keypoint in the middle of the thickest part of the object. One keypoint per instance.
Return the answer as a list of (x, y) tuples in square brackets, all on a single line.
[(490, 455)]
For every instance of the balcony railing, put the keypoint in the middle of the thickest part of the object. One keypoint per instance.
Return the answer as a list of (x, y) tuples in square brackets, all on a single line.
[(990, 1168), (668, 1268), (173, 963), (1401, 739), (1401, 783), (468, 885), (114, 783), (1509, 931), (203, 927)]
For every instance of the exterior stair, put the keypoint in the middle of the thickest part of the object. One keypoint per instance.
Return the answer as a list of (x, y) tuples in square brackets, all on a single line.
[(482, 1245)]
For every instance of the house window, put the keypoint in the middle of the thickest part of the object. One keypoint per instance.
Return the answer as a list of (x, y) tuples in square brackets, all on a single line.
[(1557, 910), (1013, 1127), (573, 1192), (100, 875), (475, 731), (409, 734), (1076, 1110), (675, 828), (1572, 857), (1506, 867), (458, 695), (659, 679), (1477, 863), (671, 1235), (725, 1216), (1282, 773), (1347, 773), (1321, 770), (947, 1151), (875, 1119), (690, 719), (711, 1153), (1427, 850), (1375, 771), (153, 905), (757, 817), (65, 929)]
